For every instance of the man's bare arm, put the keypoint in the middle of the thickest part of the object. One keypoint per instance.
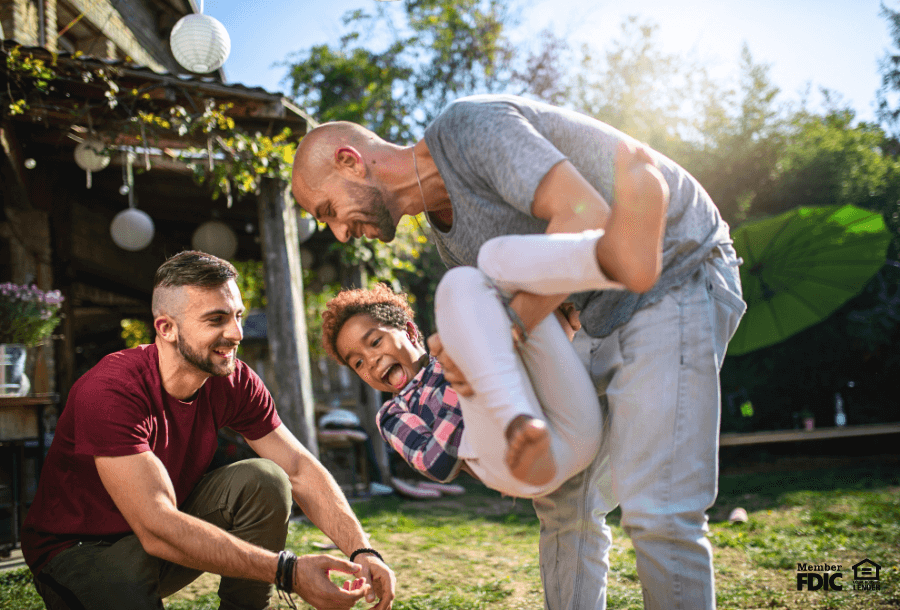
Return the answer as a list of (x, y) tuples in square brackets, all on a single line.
[(143, 492), (321, 499)]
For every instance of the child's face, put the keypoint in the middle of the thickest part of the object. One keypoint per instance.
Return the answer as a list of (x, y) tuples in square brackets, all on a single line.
[(384, 357)]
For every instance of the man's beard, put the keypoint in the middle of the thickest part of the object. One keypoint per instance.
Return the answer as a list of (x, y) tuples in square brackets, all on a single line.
[(372, 200), (205, 364)]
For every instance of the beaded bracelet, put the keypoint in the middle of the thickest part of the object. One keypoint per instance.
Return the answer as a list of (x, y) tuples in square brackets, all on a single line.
[(366, 550)]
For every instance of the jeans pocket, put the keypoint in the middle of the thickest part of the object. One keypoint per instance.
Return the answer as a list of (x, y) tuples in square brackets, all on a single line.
[(727, 306)]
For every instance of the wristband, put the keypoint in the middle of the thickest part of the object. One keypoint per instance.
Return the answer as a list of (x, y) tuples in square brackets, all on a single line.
[(366, 550), (284, 576)]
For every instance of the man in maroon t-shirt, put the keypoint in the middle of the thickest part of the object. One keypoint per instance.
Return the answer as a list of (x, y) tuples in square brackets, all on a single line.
[(125, 513)]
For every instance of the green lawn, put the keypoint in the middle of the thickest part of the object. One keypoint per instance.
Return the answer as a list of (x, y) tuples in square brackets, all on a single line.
[(480, 550)]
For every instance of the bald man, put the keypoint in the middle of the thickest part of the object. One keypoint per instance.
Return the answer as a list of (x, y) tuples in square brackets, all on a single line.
[(492, 166), (126, 512)]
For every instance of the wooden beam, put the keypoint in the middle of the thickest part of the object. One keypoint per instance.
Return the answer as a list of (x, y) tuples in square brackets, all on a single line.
[(288, 347), (12, 167)]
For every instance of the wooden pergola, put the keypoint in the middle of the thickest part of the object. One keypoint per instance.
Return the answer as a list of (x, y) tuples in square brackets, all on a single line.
[(59, 229)]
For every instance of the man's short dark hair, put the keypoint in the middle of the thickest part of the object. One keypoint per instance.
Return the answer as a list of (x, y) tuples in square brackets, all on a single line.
[(194, 268)]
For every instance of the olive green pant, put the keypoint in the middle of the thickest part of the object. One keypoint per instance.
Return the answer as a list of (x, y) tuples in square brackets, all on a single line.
[(249, 499)]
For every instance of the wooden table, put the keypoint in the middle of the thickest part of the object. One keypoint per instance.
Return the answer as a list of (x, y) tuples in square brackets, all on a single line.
[(21, 421)]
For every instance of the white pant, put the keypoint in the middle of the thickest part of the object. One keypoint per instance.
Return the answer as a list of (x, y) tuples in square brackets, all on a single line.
[(548, 381)]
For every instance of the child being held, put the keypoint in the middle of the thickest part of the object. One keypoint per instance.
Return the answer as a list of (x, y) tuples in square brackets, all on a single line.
[(534, 418)]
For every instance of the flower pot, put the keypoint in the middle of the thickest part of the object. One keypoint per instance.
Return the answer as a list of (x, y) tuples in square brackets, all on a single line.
[(12, 370)]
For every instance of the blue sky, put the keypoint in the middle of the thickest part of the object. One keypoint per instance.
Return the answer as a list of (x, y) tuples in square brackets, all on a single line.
[(824, 43)]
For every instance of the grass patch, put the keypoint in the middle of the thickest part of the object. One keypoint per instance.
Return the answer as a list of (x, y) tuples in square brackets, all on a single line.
[(479, 551)]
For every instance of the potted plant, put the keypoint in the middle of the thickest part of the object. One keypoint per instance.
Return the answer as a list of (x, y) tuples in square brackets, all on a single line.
[(28, 315)]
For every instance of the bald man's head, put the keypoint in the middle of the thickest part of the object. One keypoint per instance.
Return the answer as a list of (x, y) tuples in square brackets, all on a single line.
[(315, 158)]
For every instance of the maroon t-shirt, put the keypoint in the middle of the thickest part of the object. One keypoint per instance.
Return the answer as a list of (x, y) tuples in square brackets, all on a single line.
[(119, 408)]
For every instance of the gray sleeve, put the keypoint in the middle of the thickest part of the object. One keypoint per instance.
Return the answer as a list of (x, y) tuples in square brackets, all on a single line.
[(502, 149)]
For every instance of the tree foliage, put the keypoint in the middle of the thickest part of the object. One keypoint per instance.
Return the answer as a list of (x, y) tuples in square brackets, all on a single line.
[(742, 132), (637, 88), (887, 96), (830, 161), (395, 77)]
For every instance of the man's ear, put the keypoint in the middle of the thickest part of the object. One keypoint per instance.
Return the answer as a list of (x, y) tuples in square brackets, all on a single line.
[(166, 328), (349, 159)]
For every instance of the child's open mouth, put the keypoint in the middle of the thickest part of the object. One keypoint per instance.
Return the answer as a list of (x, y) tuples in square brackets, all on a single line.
[(395, 377)]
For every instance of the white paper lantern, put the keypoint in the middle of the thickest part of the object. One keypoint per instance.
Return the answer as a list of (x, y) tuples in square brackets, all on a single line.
[(89, 157), (306, 226), (132, 229), (200, 43), (216, 238)]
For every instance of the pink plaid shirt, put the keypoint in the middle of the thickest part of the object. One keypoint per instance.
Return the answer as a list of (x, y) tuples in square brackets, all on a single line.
[(424, 424)]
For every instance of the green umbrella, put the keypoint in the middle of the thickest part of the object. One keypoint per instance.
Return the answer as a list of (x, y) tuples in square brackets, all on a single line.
[(801, 266)]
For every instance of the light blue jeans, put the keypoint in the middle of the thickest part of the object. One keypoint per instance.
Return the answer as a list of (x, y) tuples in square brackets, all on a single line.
[(658, 381)]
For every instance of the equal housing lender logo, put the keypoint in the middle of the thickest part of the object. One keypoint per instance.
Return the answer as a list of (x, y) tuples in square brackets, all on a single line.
[(830, 577)]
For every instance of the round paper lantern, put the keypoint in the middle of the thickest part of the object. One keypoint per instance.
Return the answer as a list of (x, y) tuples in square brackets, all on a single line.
[(306, 226), (200, 43), (216, 238), (89, 155), (132, 229)]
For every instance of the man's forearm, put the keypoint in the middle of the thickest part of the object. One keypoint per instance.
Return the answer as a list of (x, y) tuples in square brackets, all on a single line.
[(326, 506), (533, 308), (194, 543)]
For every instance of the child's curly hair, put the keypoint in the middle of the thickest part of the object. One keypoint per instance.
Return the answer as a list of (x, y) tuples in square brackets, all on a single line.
[(380, 303)]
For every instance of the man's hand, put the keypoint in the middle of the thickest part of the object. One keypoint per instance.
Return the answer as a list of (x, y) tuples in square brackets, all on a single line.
[(382, 579), (311, 582), (451, 371)]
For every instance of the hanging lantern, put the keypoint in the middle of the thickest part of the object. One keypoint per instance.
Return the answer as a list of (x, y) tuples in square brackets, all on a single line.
[(306, 226), (200, 43), (132, 229), (89, 157), (216, 238)]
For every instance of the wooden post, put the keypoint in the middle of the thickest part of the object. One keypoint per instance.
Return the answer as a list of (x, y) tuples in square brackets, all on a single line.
[(285, 312)]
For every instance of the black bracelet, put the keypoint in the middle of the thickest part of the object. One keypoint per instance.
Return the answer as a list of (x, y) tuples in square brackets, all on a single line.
[(289, 573), (284, 574), (284, 577), (366, 550)]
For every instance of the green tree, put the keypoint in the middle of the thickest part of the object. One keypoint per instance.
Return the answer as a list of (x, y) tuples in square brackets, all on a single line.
[(741, 133), (352, 83), (637, 88), (394, 78), (830, 161), (888, 111)]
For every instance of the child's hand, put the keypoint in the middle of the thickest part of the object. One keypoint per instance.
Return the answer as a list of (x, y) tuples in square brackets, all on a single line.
[(451, 371), (569, 319)]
